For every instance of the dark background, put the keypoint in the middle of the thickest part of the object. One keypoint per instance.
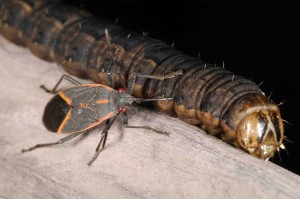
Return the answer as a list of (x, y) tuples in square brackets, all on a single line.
[(257, 40)]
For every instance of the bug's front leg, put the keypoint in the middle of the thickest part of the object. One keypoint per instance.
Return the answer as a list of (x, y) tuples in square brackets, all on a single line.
[(124, 118), (102, 141), (63, 77), (133, 77)]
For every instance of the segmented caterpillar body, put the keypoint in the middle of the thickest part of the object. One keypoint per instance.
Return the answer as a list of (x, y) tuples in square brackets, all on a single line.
[(205, 95)]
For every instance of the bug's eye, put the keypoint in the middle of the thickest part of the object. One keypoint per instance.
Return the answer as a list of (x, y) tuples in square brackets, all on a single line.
[(121, 90)]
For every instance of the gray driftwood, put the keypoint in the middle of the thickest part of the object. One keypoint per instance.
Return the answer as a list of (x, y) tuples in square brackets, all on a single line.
[(135, 164)]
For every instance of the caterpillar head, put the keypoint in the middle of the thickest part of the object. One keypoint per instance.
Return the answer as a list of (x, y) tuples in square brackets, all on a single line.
[(255, 124), (261, 132)]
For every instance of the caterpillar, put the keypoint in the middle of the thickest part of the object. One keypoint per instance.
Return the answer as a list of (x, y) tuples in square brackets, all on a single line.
[(225, 105)]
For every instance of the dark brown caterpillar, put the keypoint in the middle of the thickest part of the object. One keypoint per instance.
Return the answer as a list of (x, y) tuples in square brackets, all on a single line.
[(224, 104)]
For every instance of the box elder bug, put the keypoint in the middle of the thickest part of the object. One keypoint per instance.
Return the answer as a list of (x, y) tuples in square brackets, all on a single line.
[(82, 107)]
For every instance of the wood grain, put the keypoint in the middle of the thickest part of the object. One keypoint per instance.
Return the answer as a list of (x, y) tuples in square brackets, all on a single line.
[(136, 163)]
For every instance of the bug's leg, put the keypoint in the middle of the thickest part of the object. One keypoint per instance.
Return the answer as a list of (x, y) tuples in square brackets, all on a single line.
[(124, 118), (131, 82), (133, 77), (110, 80), (113, 65), (63, 77), (102, 141), (62, 140)]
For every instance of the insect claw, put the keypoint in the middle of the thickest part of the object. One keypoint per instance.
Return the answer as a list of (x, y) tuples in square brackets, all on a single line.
[(178, 72), (163, 98), (45, 89), (24, 150), (173, 74), (161, 132), (169, 98), (90, 163), (166, 133)]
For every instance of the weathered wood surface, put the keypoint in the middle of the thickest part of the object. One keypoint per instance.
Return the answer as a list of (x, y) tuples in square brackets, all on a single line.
[(136, 163)]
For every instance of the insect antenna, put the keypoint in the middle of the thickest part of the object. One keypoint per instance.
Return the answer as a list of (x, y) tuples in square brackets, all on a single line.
[(140, 100)]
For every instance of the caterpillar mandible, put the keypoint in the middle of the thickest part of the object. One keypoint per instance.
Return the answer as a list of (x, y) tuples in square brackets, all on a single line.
[(223, 104)]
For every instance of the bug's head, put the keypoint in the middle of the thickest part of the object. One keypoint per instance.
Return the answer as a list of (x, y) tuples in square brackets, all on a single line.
[(258, 126), (123, 99)]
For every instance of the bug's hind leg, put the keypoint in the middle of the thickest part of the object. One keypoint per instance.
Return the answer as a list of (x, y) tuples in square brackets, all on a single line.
[(102, 141), (63, 77), (124, 118), (65, 139)]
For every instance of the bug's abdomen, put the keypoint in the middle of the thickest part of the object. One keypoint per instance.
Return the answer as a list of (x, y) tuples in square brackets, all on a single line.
[(55, 113), (79, 108)]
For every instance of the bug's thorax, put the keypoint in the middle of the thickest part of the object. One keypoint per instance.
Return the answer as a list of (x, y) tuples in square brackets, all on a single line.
[(122, 100), (257, 125)]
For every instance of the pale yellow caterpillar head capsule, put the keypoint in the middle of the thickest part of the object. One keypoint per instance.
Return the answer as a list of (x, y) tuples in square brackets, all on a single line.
[(255, 124), (261, 132)]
